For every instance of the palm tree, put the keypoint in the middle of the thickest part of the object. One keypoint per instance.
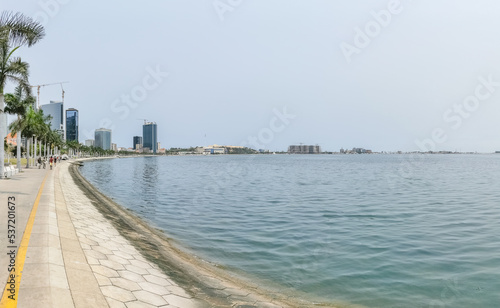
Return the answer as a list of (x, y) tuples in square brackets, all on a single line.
[(18, 104), (33, 123), (16, 30)]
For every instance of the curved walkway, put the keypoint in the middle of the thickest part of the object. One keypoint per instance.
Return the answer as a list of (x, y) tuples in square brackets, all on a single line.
[(75, 257), (67, 254)]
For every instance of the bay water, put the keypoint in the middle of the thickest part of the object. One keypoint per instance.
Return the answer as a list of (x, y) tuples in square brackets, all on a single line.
[(349, 230)]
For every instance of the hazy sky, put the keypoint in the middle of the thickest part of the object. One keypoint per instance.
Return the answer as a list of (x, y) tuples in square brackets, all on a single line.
[(384, 75)]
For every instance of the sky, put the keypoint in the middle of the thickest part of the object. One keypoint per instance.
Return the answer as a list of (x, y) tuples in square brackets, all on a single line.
[(382, 75)]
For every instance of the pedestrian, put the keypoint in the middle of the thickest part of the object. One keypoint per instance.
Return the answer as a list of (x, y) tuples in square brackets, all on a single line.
[(39, 162), (51, 160), (55, 161)]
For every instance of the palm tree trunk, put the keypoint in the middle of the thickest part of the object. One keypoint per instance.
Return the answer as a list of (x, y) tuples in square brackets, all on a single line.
[(18, 141), (27, 152), (34, 153), (3, 123)]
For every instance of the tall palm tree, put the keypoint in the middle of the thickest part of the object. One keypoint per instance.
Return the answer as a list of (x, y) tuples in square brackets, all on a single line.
[(16, 30), (18, 103), (33, 123), (55, 140)]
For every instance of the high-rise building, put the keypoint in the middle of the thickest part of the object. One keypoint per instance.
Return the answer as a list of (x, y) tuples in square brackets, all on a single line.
[(56, 111), (89, 142), (149, 136), (72, 124), (102, 137), (137, 141)]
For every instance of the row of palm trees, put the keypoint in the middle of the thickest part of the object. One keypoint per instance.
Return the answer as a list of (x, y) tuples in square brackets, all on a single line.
[(17, 30), (31, 123), (76, 149)]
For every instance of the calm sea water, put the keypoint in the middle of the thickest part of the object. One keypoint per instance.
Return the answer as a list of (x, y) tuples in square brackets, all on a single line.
[(370, 230)]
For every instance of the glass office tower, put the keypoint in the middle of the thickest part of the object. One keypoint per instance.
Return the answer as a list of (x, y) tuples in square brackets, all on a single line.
[(137, 140), (149, 136), (72, 124), (102, 138)]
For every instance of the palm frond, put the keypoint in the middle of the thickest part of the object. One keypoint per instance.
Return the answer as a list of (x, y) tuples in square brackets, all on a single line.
[(20, 29)]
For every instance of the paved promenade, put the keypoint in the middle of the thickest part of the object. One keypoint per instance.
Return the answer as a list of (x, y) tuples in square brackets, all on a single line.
[(67, 254), (75, 257)]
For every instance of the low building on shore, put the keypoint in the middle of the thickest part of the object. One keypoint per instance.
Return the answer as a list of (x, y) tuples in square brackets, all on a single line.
[(214, 149), (304, 149)]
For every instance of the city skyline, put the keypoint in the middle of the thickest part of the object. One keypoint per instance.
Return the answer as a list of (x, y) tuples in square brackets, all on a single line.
[(350, 73)]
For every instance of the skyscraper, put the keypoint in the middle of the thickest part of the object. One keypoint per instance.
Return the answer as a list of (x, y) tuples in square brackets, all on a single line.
[(72, 124), (102, 137), (137, 140), (149, 136), (56, 111)]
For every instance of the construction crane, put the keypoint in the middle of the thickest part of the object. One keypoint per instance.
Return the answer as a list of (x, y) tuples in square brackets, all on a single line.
[(145, 121), (48, 84)]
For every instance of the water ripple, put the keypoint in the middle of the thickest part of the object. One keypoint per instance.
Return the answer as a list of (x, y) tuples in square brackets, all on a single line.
[(341, 228)]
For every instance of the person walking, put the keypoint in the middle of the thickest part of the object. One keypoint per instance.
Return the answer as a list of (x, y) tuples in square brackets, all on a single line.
[(39, 162), (51, 160)]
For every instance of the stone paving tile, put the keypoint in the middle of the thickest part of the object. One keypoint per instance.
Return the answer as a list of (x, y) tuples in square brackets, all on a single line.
[(154, 288), (95, 254), (141, 264), (136, 269), (117, 293), (102, 280), (125, 284), (113, 303), (157, 280), (105, 271), (179, 301), (102, 249), (156, 272), (118, 259), (123, 255), (178, 291), (149, 298), (131, 276), (138, 304), (92, 261), (112, 264)]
